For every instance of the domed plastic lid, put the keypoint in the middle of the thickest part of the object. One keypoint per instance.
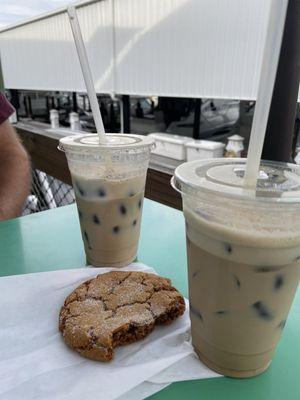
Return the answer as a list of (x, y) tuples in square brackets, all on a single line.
[(90, 142), (277, 182)]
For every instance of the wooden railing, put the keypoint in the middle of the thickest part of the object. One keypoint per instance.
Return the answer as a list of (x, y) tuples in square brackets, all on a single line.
[(41, 145)]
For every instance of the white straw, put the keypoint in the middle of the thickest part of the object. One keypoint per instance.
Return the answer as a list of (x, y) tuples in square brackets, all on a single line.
[(271, 54), (86, 72)]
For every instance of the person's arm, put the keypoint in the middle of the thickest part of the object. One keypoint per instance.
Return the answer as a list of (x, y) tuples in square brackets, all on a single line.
[(14, 173)]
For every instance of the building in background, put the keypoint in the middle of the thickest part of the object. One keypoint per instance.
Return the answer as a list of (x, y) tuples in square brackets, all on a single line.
[(165, 55)]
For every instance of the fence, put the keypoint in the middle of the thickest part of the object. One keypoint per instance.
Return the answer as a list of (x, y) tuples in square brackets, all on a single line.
[(47, 192)]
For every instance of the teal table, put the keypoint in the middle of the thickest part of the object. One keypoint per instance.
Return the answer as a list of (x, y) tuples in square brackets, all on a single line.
[(51, 240)]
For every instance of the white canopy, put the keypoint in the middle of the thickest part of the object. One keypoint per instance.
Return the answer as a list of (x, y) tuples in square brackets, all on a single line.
[(190, 48)]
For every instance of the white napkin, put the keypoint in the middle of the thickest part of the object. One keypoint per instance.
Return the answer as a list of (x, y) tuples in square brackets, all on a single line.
[(36, 364)]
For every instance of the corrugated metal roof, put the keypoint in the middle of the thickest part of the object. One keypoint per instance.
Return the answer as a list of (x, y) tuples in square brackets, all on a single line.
[(207, 48), (41, 55), (46, 14), (190, 48)]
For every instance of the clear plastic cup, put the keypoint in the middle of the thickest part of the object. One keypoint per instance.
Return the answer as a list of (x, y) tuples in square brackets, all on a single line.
[(243, 251), (109, 183)]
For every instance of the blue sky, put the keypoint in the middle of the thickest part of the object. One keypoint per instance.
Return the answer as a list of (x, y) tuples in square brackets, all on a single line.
[(12, 11)]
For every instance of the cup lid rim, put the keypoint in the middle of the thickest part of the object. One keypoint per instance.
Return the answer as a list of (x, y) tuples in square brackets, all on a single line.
[(197, 177), (90, 141)]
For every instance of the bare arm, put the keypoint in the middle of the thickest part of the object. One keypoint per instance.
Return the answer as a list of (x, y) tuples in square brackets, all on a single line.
[(14, 173)]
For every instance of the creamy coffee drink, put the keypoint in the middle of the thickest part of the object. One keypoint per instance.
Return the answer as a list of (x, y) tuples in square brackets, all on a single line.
[(110, 215), (243, 250), (109, 182), (238, 292)]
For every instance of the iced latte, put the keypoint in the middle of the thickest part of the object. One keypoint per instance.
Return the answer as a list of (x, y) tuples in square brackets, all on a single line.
[(243, 253)]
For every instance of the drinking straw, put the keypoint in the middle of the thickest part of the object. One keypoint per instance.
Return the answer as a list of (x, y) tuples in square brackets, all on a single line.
[(86, 72), (265, 90)]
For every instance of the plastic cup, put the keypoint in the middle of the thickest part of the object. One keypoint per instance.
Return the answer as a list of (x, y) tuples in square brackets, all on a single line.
[(109, 183), (243, 251)]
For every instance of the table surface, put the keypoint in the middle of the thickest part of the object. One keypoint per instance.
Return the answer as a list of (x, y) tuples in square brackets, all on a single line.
[(51, 240)]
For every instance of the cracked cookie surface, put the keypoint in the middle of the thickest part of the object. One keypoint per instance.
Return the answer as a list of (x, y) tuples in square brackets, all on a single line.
[(117, 308)]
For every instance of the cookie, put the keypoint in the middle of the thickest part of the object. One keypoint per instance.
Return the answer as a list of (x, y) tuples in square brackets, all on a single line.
[(117, 308)]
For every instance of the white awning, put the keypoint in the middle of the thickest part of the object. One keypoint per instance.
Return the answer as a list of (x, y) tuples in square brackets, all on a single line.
[(190, 48)]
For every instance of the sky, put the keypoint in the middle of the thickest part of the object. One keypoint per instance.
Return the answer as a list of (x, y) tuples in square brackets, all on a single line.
[(12, 11)]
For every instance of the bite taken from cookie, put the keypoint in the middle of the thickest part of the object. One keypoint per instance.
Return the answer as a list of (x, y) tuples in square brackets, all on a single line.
[(117, 308)]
